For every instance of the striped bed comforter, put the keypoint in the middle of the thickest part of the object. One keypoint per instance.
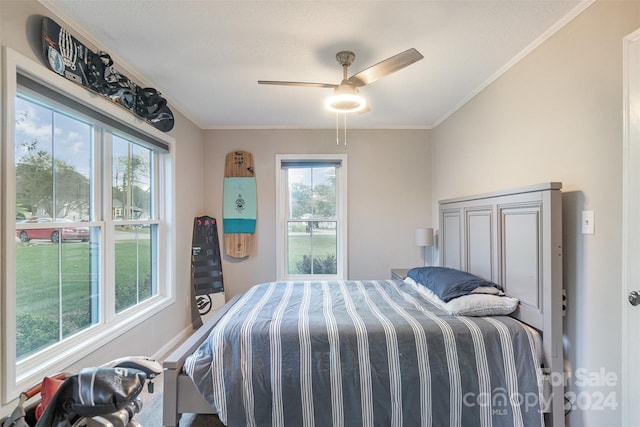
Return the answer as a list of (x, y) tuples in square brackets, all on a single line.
[(364, 353)]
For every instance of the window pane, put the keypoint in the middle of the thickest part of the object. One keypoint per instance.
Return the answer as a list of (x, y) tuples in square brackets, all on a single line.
[(135, 269), (312, 247), (53, 164), (131, 180), (56, 286), (312, 192)]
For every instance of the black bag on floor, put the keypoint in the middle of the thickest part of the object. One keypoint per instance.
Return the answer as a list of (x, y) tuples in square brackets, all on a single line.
[(92, 392)]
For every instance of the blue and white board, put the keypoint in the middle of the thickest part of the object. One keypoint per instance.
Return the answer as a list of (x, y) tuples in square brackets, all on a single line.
[(239, 209)]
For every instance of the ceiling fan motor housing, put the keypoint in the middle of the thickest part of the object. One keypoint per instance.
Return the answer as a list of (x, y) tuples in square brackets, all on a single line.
[(345, 58)]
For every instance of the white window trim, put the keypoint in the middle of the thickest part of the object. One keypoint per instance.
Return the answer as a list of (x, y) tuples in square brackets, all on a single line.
[(82, 344), (341, 216)]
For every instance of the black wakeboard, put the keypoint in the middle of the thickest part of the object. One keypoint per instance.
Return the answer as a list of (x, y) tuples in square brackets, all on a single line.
[(206, 265)]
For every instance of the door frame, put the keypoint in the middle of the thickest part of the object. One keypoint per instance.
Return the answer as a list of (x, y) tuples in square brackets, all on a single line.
[(630, 379)]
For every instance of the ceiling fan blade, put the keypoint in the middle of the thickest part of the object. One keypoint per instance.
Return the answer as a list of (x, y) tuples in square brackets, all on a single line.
[(386, 67), (305, 84)]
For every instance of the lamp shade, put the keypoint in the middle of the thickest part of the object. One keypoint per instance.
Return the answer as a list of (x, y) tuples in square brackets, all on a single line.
[(424, 236)]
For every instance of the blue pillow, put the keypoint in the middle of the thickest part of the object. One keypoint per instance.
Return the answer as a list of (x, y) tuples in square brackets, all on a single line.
[(448, 283)]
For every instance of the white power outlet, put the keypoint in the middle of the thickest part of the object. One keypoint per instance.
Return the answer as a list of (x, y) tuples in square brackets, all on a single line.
[(588, 222)]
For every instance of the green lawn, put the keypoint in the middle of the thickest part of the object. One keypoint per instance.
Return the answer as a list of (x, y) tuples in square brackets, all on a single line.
[(55, 281), (300, 245), (38, 273)]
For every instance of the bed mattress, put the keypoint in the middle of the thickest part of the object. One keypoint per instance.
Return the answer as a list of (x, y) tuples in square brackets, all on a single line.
[(367, 353)]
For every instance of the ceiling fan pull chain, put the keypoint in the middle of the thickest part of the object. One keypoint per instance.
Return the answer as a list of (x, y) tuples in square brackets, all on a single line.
[(338, 128), (345, 128)]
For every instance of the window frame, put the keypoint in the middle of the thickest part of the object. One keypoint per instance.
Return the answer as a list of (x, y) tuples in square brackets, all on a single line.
[(282, 216), (62, 354)]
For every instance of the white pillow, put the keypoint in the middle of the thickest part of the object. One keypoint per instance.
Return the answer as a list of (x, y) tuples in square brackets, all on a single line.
[(481, 305), (472, 304), (487, 290)]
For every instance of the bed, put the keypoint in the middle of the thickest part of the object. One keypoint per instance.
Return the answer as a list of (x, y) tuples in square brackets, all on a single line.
[(380, 352)]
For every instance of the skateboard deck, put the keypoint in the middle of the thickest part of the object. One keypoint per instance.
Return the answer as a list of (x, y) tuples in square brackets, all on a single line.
[(206, 265), (71, 59), (239, 204)]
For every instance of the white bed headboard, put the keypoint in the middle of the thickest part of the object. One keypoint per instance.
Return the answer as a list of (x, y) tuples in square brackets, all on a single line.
[(514, 238)]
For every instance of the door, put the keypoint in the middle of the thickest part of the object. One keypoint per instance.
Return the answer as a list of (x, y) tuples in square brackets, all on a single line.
[(630, 378)]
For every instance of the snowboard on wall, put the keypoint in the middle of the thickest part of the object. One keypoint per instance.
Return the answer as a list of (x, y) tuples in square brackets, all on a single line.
[(239, 208), (206, 265), (71, 59)]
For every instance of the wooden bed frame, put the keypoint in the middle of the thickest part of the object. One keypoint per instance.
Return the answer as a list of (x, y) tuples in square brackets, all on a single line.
[(514, 238), (511, 237)]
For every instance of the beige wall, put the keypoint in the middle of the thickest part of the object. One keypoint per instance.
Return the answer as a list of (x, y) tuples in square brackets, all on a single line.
[(557, 116), (20, 30), (389, 190)]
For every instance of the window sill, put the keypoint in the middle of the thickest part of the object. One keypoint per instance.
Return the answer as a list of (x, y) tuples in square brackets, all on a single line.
[(59, 357)]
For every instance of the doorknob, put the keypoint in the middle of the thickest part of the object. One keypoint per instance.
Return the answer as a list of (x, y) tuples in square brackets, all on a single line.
[(634, 298)]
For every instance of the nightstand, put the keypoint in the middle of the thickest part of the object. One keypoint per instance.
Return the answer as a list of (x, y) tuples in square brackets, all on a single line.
[(399, 273)]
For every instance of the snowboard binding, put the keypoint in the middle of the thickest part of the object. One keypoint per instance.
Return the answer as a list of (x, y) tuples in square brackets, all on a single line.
[(153, 107)]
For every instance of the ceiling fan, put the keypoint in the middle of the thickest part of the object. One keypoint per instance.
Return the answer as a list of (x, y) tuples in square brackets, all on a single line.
[(346, 98)]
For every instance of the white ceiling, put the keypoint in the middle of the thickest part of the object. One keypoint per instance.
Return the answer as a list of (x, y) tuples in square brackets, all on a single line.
[(207, 56)]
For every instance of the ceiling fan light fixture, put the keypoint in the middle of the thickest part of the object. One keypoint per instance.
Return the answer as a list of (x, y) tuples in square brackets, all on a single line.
[(345, 103), (345, 99)]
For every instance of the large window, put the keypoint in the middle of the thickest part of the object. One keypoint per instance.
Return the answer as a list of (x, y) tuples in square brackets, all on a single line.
[(84, 261), (311, 215)]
